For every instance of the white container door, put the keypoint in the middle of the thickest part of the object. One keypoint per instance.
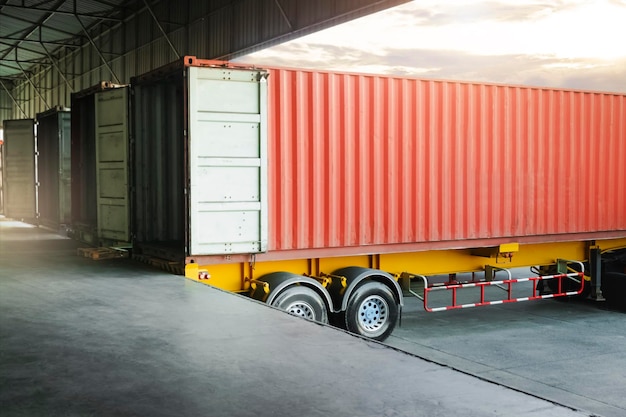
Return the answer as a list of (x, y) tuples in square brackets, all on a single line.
[(20, 177), (227, 161), (112, 164)]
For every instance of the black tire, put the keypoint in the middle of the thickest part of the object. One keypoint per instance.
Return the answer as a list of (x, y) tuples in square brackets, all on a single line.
[(302, 302), (372, 311)]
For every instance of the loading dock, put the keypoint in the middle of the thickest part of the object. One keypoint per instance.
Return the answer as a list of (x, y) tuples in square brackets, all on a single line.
[(115, 337)]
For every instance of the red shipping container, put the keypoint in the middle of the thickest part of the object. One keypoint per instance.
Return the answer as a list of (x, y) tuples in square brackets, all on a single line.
[(363, 160), (360, 164)]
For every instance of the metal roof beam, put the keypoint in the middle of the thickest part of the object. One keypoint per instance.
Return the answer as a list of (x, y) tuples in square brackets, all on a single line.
[(57, 68), (95, 47), (42, 2), (116, 26), (29, 31), (5, 64), (69, 34), (44, 10), (13, 47), (110, 4), (156, 21), (21, 61), (56, 43), (284, 14), (34, 87)]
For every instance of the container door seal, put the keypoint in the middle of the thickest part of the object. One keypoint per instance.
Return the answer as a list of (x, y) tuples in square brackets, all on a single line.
[(112, 164), (227, 161), (19, 172)]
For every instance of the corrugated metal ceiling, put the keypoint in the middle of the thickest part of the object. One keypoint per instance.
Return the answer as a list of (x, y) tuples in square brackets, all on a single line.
[(33, 30), (52, 48), (34, 33)]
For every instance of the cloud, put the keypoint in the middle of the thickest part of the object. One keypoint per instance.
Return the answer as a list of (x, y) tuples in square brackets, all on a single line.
[(556, 43), (521, 69), (463, 12)]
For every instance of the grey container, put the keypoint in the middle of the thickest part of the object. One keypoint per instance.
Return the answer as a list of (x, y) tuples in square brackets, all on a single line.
[(19, 174), (100, 140)]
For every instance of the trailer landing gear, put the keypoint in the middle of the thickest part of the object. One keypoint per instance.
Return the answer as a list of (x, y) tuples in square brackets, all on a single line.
[(613, 284)]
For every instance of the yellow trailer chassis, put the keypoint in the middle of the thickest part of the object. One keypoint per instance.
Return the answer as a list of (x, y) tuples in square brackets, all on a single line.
[(361, 288)]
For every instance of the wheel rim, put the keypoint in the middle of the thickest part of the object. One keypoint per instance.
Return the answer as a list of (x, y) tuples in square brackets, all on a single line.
[(301, 309), (373, 313)]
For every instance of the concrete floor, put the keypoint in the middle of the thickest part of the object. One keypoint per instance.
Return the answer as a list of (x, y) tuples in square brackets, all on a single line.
[(569, 351), (117, 338)]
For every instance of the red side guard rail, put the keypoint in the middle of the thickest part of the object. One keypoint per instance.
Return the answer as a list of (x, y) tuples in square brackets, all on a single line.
[(506, 285)]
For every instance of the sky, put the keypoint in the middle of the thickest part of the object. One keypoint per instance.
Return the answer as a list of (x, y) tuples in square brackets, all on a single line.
[(577, 44)]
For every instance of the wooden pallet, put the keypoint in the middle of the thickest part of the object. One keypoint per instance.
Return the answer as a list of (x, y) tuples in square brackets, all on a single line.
[(172, 267), (98, 254)]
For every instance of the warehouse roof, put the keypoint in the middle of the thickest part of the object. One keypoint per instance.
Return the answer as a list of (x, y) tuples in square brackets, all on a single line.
[(33, 31)]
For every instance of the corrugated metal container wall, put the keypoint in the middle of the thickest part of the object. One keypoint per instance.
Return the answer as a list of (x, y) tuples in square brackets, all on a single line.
[(99, 158), (363, 160), (54, 167), (159, 213)]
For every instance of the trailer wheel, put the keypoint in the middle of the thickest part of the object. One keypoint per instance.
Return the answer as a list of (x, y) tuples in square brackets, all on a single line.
[(372, 311), (302, 302)]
